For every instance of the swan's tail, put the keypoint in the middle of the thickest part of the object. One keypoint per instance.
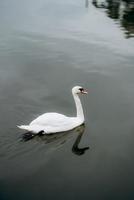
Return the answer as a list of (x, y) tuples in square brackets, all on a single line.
[(32, 131), (25, 127), (31, 128)]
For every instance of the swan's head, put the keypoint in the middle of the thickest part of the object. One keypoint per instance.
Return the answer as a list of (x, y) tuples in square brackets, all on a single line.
[(79, 90)]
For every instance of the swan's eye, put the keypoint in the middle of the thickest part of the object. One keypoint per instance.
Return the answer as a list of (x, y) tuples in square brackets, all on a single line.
[(81, 89)]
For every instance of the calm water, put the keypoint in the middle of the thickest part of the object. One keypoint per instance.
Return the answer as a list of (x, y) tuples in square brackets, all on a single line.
[(46, 47)]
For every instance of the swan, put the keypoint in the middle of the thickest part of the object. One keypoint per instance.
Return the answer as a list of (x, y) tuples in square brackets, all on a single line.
[(49, 123)]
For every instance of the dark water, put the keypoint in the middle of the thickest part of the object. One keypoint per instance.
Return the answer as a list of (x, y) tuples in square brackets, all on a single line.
[(46, 47)]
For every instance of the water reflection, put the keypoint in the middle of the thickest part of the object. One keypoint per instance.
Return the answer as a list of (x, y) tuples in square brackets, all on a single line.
[(75, 148), (58, 139), (86, 3), (121, 11)]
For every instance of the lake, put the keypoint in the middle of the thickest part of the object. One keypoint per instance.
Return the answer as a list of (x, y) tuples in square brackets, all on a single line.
[(46, 48)]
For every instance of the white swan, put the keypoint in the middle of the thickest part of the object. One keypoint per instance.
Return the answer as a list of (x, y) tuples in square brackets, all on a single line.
[(55, 122)]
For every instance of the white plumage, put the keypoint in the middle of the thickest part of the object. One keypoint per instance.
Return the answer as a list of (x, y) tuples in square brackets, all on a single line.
[(55, 122)]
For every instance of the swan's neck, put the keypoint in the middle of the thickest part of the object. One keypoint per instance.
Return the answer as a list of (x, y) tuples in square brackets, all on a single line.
[(79, 108)]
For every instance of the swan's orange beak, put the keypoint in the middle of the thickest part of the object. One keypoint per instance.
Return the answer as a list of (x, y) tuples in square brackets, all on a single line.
[(84, 92)]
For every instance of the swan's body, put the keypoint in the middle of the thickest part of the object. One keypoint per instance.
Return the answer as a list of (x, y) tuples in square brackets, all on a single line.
[(55, 122)]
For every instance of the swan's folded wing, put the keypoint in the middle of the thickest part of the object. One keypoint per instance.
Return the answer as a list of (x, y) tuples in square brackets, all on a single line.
[(50, 119)]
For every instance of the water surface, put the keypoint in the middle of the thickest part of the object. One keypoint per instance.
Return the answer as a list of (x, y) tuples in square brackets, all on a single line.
[(47, 47)]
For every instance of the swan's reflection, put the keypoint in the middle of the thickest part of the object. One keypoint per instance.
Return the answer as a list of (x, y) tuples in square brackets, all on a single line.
[(58, 139), (75, 148)]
